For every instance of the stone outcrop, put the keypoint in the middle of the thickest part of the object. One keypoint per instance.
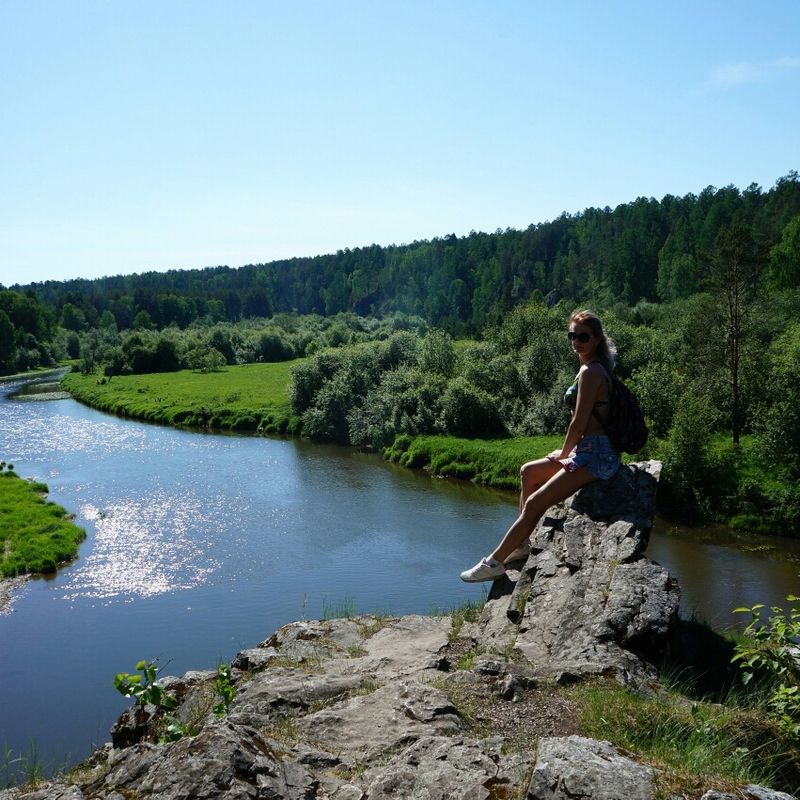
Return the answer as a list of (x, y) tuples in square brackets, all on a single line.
[(425, 708), (587, 601), (574, 767)]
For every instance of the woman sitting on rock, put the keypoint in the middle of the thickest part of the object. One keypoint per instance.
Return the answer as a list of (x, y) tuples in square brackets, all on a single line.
[(586, 456)]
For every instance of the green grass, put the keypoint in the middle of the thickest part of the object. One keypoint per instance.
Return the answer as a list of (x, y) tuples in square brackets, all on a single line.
[(695, 745), (249, 397), (35, 535), (344, 610), (700, 727), (493, 462), (743, 494)]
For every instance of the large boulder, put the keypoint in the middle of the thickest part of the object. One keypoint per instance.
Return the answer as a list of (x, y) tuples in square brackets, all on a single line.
[(588, 601), (573, 767)]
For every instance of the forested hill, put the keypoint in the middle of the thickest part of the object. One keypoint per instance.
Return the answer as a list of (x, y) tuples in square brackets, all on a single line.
[(646, 249)]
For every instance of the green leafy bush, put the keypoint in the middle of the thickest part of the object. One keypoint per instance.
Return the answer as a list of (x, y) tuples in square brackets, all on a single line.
[(470, 411), (770, 658), (225, 689), (406, 401), (145, 687), (685, 455)]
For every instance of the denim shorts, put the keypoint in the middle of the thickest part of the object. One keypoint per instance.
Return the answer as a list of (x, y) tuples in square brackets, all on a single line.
[(596, 454)]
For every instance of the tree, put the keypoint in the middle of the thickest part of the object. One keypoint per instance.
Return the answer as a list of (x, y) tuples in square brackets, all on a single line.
[(107, 321), (143, 321), (73, 345), (72, 318), (7, 346), (784, 265), (735, 267)]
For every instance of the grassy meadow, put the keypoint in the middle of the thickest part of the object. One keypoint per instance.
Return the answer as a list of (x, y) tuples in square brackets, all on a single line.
[(249, 397), (35, 535)]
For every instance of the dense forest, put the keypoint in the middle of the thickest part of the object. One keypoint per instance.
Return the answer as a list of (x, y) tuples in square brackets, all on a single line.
[(699, 292), (643, 250)]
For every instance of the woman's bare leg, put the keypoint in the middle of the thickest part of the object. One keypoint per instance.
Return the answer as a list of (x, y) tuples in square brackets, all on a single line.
[(558, 488), (534, 474)]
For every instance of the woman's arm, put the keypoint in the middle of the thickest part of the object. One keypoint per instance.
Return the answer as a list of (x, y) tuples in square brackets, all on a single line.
[(590, 380)]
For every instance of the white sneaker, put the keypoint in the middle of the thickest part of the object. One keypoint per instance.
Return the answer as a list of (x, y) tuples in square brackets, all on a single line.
[(522, 552), (482, 571)]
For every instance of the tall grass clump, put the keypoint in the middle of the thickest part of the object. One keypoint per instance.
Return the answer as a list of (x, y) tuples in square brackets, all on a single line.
[(35, 535), (344, 610), (694, 745)]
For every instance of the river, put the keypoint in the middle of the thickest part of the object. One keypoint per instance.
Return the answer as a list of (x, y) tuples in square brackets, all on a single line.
[(201, 545)]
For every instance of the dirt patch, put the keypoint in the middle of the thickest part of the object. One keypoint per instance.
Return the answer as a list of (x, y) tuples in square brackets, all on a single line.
[(521, 715), (532, 714)]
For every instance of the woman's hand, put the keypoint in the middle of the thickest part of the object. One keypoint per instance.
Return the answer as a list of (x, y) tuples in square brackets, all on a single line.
[(554, 456)]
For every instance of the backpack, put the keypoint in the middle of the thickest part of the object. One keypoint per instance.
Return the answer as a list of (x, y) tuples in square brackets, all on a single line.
[(624, 425)]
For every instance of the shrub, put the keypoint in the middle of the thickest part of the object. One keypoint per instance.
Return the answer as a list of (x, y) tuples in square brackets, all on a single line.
[(406, 401), (402, 347), (326, 418), (657, 387), (544, 413), (470, 411), (686, 458), (768, 656), (274, 345), (543, 358), (436, 353), (309, 377), (493, 372)]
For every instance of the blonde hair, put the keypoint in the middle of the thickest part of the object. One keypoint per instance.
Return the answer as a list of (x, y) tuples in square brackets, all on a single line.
[(606, 349)]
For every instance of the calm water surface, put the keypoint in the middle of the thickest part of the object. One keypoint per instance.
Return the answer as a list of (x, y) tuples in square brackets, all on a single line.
[(200, 545)]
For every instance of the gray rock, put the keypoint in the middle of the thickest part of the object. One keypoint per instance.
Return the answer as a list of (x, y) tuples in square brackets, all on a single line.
[(254, 659), (752, 792), (49, 792), (436, 768), (223, 761), (568, 768), (587, 601), (383, 721)]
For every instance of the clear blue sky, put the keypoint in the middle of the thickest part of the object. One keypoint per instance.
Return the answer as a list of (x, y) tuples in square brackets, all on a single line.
[(155, 135)]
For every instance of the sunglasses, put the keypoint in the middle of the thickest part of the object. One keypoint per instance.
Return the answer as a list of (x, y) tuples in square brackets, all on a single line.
[(581, 337)]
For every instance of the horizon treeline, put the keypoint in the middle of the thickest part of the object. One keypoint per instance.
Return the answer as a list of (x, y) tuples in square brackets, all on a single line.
[(645, 250)]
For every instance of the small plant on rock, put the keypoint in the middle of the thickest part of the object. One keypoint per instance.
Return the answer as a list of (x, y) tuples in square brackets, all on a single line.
[(145, 687), (147, 690), (225, 689)]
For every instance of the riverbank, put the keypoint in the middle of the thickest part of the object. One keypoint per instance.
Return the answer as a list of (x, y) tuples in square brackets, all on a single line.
[(249, 397), (9, 589), (553, 681), (733, 489), (31, 374), (36, 536)]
